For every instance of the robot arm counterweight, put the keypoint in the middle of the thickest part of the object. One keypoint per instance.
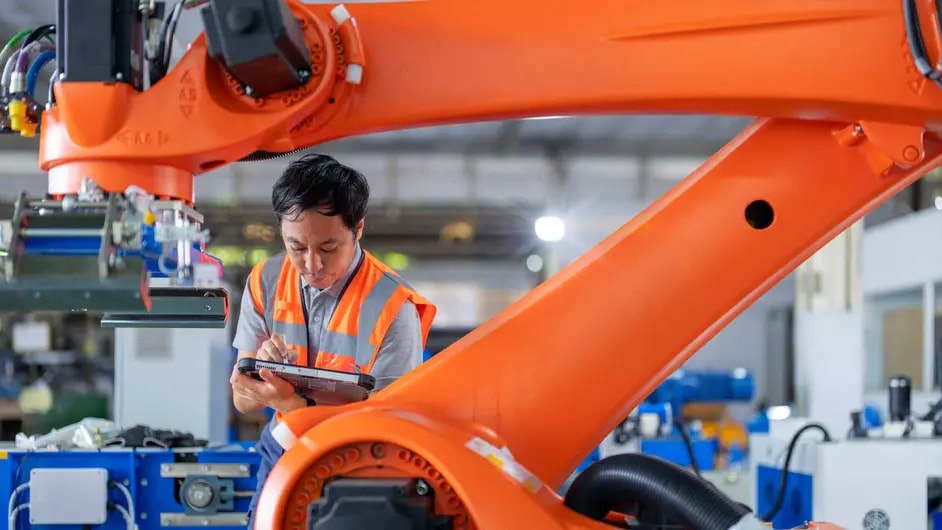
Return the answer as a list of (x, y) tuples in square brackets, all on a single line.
[(846, 94)]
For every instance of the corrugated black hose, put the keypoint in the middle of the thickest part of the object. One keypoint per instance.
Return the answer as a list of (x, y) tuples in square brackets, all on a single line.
[(659, 484)]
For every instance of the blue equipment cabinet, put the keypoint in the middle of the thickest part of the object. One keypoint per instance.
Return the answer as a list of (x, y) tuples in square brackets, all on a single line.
[(160, 488), (688, 386), (796, 509)]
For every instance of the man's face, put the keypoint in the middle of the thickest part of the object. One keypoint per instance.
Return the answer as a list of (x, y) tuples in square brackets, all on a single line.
[(319, 246)]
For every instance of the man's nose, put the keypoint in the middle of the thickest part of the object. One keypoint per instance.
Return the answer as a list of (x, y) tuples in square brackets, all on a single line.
[(313, 261)]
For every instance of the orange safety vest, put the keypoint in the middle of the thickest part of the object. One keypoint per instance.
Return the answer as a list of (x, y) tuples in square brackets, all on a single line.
[(365, 309)]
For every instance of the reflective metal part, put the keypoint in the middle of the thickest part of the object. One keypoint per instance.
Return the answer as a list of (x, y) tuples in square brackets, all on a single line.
[(175, 308), (195, 521), (183, 469), (199, 495)]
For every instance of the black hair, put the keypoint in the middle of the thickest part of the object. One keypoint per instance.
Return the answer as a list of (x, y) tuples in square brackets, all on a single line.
[(321, 183)]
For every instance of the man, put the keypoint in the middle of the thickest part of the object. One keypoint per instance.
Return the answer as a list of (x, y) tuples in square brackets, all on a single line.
[(324, 302)]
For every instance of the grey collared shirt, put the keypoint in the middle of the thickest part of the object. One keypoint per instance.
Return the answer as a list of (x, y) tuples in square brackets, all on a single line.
[(399, 352)]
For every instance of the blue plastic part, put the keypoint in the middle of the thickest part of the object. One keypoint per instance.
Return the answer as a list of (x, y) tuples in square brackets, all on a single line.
[(796, 509), (662, 410), (139, 470), (759, 424), (686, 386), (32, 75), (674, 450), (88, 246), (872, 417), (591, 459), (936, 520)]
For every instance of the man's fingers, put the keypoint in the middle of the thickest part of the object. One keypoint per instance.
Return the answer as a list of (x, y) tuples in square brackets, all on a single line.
[(269, 352), (248, 388), (279, 342), (292, 356), (269, 377), (278, 386)]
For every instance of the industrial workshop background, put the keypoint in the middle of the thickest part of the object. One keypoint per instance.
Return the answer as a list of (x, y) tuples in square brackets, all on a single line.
[(453, 208), (474, 216)]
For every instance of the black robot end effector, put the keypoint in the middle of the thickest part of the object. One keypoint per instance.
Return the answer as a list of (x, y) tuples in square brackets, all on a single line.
[(260, 42)]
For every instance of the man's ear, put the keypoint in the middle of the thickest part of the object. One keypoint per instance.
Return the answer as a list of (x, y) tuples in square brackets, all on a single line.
[(359, 230)]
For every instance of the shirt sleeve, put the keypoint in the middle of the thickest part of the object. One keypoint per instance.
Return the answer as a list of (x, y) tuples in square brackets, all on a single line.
[(401, 349), (251, 330)]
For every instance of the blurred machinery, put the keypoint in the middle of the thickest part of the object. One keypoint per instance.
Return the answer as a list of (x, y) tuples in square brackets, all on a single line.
[(684, 420), (138, 259), (118, 489), (148, 361), (894, 469)]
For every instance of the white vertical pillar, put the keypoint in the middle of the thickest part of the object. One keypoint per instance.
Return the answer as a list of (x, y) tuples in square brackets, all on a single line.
[(829, 335), (928, 336)]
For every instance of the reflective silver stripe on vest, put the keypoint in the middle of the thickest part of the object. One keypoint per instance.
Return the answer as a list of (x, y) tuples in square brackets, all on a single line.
[(338, 343), (359, 347), (293, 333), (369, 315)]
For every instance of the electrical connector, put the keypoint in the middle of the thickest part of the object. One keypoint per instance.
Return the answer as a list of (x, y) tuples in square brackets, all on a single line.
[(17, 112), (24, 116)]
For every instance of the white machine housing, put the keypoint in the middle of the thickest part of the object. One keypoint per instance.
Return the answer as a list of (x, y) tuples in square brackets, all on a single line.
[(867, 484), (175, 378)]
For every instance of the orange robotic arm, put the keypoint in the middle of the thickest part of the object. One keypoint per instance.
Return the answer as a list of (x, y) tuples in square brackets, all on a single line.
[(496, 423)]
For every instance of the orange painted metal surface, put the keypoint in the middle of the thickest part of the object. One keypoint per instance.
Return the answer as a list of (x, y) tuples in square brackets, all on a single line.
[(846, 122)]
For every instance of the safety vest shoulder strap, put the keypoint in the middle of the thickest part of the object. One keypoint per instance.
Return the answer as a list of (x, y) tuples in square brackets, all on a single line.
[(426, 309), (274, 286)]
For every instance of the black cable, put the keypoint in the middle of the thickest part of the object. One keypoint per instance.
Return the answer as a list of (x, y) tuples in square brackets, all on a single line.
[(917, 46), (933, 412), (168, 28), (780, 497), (36, 34), (688, 443)]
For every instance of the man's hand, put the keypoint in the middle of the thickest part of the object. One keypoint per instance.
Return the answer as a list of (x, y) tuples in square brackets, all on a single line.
[(273, 391), (275, 350)]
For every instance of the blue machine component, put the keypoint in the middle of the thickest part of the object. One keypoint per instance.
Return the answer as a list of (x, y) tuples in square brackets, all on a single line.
[(208, 494), (872, 417), (796, 509), (591, 459), (661, 410), (150, 251), (686, 386), (936, 520), (221, 482), (759, 424), (736, 455)]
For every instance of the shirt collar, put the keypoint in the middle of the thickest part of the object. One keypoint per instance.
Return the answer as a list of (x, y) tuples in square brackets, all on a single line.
[(337, 287)]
